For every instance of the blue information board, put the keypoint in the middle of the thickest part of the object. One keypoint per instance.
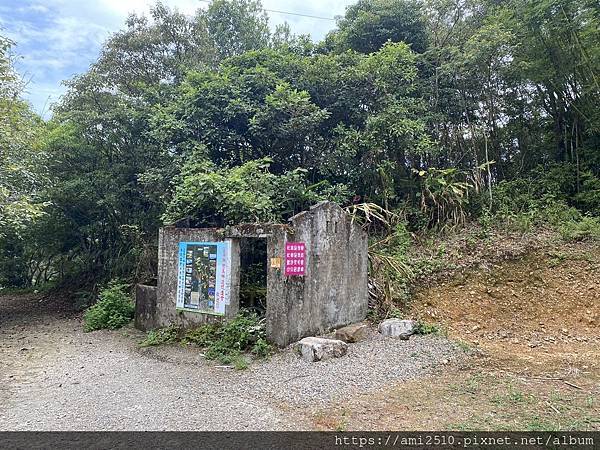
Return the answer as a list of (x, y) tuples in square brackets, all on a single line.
[(204, 277)]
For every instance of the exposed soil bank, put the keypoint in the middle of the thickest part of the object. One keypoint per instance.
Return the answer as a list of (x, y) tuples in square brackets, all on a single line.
[(532, 327)]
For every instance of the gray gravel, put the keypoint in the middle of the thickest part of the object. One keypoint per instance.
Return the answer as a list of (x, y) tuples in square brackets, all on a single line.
[(55, 377), (369, 365)]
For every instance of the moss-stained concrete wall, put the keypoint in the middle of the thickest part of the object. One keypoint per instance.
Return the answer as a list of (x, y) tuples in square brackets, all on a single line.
[(334, 291), (168, 266), (145, 307)]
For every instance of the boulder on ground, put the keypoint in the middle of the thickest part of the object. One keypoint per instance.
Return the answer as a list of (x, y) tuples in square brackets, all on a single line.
[(352, 333), (318, 349), (397, 328)]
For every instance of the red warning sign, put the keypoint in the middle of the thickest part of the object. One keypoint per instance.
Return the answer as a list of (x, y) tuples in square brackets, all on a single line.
[(295, 259)]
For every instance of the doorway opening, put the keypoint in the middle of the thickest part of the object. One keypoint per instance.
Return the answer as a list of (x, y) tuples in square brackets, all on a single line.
[(253, 275)]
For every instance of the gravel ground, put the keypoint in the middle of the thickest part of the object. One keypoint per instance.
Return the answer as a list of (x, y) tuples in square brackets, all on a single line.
[(55, 377), (370, 364)]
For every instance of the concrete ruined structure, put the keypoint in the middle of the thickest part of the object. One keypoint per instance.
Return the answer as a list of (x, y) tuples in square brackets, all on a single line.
[(333, 291)]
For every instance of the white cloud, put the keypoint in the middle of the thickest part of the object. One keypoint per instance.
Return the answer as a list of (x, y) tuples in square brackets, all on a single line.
[(38, 8), (124, 8), (60, 38), (317, 28)]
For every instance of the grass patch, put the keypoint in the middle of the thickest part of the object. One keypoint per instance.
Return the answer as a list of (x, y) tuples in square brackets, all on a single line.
[(427, 328), (539, 424), (505, 403), (473, 385), (161, 336), (342, 425), (464, 346), (223, 342), (584, 229), (513, 397)]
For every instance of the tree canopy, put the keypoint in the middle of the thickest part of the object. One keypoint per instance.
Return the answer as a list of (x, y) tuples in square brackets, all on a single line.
[(432, 108)]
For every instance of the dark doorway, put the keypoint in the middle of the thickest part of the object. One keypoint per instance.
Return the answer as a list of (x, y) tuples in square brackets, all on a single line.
[(253, 275)]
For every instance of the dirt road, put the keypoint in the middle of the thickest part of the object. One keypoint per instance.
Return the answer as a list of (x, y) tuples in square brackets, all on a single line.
[(55, 377), (526, 355)]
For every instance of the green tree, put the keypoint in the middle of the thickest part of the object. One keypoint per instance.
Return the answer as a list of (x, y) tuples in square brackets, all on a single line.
[(435, 107), (289, 126), (561, 62), (237, 26), (22, 169), (368, 24)]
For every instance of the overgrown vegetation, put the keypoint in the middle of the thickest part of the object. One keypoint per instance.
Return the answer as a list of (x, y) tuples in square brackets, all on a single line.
[(546, 198), (113, 310), (224, 342), (419, 116)]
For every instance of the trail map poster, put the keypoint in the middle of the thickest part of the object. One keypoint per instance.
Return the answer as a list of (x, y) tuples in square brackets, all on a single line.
[(204, 277)]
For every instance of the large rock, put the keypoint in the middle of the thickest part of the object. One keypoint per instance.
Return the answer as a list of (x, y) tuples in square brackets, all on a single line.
[(397, 328), (352, 333), (318, 349)]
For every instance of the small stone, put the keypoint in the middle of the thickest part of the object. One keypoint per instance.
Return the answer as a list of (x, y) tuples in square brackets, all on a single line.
[(351, 333), (397, 328), (314, 349)]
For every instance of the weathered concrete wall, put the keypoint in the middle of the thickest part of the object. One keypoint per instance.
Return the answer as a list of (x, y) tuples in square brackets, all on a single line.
[(145, 307), (168, 261), (334, 291)]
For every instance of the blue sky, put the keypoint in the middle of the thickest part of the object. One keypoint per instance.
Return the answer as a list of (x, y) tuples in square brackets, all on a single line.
[(57, 39)]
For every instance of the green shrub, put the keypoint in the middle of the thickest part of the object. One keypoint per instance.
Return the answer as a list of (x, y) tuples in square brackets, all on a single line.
[(400, 240), (426, 328), (113, 309), (160, 336), (242, 333), (588, 197), (262, 348), (395, 313), (201, 336), (548, 196), (239, 362), (586, 228), (540, 187), (247, 193), (223, 342)]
